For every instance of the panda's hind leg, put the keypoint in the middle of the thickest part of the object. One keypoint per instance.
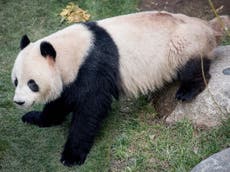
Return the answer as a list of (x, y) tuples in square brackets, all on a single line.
[(191, 78)]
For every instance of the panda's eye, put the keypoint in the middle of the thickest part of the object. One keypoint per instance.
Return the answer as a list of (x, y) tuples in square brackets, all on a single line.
[(16, 82), (32, 85)]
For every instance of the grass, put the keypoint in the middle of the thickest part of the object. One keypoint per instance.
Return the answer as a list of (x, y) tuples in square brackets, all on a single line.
[(131, 139)]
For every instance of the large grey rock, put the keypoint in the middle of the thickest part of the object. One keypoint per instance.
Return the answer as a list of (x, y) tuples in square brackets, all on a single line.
[(218, 162), (212, 105)]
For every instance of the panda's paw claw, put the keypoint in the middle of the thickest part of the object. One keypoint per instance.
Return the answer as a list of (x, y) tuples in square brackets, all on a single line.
[(73, 157)]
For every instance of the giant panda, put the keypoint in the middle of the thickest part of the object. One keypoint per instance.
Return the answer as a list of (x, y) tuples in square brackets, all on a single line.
[(81, 68)]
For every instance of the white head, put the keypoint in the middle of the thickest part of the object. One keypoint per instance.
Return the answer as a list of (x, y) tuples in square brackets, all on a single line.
[(35, 75)]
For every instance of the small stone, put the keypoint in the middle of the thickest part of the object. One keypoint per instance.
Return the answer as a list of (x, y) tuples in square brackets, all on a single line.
[(226, 71)]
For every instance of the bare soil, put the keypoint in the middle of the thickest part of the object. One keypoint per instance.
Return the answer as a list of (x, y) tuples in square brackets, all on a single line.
[(194, 8)]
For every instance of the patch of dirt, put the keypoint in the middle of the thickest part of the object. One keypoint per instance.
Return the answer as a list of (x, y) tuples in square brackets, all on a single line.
[(194, 8), (164, 100)]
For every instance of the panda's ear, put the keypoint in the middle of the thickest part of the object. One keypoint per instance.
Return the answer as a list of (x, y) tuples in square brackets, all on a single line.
[(47, 50), (24, 41)]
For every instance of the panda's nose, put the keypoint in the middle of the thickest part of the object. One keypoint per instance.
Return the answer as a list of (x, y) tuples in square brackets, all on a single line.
[(19, 102)]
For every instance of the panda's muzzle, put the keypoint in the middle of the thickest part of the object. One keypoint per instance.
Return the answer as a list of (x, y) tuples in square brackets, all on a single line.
[(19, 102)]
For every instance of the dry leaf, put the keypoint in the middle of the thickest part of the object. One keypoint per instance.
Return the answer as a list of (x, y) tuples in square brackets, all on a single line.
[(73, 13)]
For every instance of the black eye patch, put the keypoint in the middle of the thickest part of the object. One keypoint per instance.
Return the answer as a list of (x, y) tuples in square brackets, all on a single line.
[(16, 82), (32, 85)]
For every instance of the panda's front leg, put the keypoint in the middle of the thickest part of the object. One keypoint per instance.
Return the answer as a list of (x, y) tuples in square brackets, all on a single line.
[(53, 113), (85, 123)]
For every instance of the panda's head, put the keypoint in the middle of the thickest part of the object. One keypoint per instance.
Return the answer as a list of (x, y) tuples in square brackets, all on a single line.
[(35, 74)]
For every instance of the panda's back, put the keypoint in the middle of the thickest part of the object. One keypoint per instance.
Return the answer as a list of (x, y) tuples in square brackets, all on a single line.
[(152, 45)]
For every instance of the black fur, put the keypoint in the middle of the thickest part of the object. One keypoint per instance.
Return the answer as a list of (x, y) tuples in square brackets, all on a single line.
[(47, 50), (89, 97), (24, 42), (192, 81), (33, 85)]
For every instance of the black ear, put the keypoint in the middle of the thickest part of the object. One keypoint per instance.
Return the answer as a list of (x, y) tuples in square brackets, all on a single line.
[(24, 41), (47, 50)]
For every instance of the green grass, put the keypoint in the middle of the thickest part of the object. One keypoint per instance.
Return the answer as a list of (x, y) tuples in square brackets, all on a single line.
[(131, 139), (226, 40)]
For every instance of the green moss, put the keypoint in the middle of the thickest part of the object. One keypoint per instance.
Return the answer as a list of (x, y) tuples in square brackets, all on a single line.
[(226, 40)]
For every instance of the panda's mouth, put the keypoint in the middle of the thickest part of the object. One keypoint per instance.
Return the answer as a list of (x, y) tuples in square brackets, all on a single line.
[(26, 106)]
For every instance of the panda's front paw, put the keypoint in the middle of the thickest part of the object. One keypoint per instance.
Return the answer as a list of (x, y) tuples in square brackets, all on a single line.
[(73, 156), (33, 117)]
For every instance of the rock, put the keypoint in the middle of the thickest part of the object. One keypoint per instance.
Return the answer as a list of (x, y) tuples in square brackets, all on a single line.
[(217, 162), (211, 106)]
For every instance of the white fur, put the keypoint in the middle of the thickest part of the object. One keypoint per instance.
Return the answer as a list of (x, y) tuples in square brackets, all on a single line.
[(221, 26), (152, 45)]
